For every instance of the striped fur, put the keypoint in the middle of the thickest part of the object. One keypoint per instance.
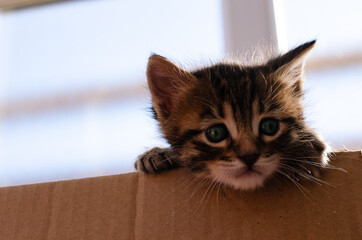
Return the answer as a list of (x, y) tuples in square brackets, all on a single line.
[(186, 104)]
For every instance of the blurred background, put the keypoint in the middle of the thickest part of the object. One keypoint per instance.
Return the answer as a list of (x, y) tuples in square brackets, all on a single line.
[(73, 95)]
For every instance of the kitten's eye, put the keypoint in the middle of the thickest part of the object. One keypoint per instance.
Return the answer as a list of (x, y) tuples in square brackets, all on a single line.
[(216, 133), (269, 126)]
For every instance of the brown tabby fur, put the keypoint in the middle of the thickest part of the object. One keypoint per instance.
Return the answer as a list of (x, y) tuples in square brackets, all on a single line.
[(238, 96)]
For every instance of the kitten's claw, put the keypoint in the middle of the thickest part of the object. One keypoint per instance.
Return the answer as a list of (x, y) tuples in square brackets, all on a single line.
[(156, 160), (316, 171), (311, 173), (307, 172)]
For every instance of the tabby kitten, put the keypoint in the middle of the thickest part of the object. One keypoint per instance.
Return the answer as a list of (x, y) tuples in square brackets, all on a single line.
[(234, 124)]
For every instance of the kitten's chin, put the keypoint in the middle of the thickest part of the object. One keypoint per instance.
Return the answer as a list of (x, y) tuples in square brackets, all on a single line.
[(247, 180), (238, 176)]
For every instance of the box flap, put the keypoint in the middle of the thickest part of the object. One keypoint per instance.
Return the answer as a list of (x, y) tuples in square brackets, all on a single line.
[(175, 206)]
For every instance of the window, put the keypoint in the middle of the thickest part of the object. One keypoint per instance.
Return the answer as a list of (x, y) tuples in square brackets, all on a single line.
[(73, 96), (335, 68), (73, 100)]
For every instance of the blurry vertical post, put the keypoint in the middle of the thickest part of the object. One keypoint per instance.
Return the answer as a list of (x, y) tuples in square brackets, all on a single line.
[(253, 24), (2, 92)]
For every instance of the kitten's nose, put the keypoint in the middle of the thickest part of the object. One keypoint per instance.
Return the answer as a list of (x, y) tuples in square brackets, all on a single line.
[(249, 159)]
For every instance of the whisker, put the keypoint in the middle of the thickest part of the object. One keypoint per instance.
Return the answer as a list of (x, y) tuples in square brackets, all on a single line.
[(328, 166), (214, 184), (198, 187), (217, 195), (304, 157), (202, 199), (298, 185), (304, 175), (185, 184)]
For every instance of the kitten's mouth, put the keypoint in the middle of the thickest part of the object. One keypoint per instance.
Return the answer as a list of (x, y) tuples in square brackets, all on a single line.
[(241, 177)]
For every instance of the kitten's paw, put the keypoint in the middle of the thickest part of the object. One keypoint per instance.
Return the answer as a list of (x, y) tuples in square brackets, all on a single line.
[(157, 160), (308, 173), (316, 171)]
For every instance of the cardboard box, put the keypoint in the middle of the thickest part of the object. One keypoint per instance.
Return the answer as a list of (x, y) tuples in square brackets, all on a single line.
[(174, 206)]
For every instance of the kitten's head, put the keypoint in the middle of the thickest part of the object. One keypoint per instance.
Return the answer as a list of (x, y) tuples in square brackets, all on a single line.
[(238, 125)]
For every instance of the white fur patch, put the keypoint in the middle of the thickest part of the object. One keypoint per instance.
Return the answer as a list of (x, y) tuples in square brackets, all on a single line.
[(230, 121), (236, 173)]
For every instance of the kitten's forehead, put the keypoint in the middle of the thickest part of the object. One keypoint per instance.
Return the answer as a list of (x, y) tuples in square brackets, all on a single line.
[(235, 82), (234, 89), (247, 89)]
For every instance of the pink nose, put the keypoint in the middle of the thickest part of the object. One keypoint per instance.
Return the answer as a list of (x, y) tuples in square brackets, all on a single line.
[(249, 159)]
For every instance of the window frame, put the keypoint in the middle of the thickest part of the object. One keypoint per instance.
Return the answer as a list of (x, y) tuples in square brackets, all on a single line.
[(239, 37), (13, 4)]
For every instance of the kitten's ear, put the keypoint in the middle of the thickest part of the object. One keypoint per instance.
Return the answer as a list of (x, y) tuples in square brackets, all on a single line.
[(166, 82), (289, 67)]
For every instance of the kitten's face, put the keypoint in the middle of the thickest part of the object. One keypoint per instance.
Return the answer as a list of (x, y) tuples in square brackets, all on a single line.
[(233, 124)]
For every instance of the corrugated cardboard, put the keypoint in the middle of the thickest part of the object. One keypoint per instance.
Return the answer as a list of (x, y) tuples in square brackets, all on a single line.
[(174, 206)]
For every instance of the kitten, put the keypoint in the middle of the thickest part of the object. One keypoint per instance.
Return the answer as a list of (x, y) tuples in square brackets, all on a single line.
[(237, 125)]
